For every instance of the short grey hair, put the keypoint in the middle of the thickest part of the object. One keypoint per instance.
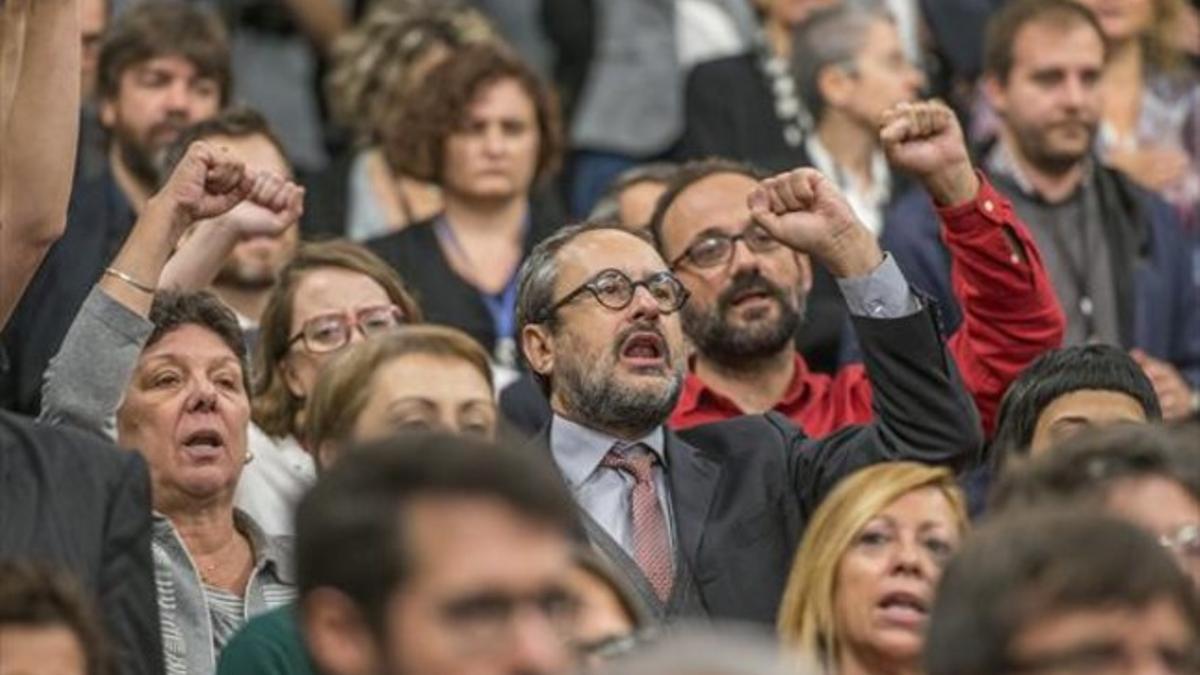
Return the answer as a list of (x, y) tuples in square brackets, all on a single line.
[(831, 37), (609, 207), (539, 275)]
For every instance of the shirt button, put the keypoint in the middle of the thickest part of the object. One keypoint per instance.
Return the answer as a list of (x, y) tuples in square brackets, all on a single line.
[(989, 206)]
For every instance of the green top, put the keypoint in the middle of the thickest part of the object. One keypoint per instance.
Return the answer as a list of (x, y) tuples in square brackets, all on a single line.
[(270, 644)]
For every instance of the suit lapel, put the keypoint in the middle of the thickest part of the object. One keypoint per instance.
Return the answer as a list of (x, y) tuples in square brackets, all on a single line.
[(693, 478)]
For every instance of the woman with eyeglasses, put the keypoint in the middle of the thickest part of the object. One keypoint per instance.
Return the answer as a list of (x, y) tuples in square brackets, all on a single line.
[(862, 584), (331, 295)]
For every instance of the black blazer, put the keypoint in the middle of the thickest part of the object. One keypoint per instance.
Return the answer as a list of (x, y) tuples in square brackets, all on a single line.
[(445, 297), (77, 503), (742, 490)]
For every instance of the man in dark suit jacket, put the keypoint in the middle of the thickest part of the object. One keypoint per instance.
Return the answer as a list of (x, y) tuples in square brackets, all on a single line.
[(707, 523), (70, 500)]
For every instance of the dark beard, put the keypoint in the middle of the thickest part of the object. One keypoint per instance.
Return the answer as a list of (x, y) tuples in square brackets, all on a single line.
[(142, 162), (591, 394), (230, 275), (1033, 146), (716, 338)]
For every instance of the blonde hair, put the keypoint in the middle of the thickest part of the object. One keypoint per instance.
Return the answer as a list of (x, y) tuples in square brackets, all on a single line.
[(806, 621), (347, 381)]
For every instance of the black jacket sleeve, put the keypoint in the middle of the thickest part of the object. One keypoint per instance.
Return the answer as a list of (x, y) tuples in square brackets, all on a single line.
[(923, 412)]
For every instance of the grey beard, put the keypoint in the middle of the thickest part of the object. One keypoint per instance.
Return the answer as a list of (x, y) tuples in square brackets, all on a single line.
[(600, 401)]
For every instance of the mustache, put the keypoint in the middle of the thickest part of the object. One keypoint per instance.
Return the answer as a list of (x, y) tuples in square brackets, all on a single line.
[(746, 283)]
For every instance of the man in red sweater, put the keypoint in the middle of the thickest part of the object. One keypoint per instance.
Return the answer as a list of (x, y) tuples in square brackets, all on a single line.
[(747, 300)]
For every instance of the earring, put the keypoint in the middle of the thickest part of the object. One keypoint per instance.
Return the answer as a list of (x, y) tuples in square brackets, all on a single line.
[(249, 457)]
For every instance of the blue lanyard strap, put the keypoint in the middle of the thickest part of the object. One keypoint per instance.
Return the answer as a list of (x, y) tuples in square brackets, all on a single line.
[(501, 306)]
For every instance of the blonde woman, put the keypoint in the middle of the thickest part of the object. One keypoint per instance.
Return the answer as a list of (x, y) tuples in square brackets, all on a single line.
[(862, 583)]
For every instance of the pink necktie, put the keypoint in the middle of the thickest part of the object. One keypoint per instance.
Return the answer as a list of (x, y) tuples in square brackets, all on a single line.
[(651, 542)]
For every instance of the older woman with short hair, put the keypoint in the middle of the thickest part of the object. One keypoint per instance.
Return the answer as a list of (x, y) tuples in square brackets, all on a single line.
[(862, 583), (166, 373)]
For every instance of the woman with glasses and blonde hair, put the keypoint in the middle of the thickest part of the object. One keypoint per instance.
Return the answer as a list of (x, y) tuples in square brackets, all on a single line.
[(862, 583)]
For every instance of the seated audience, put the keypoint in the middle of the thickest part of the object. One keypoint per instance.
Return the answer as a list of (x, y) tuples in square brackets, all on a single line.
[(39, 124), (863, 581), (747, 303), (47, 625), (1062, 592), (1065, 391), (850, 68), (436, 554), (168, 372), (377, 68), (1115, 253), (1143, 473), (488, 134), (243, 248), (724, 503), (163, 66), (330, 295)]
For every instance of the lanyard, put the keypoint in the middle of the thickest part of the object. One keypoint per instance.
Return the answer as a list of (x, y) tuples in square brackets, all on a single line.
[(1077, 269), (502, 306)]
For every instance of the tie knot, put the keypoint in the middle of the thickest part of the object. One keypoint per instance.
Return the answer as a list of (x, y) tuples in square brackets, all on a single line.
[(636, 460)]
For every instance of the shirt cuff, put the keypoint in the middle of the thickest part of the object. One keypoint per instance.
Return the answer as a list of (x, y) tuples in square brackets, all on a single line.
[(882, 294)]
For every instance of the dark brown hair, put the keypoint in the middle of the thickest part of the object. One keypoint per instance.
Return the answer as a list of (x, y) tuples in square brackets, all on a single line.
[(419, 144), (33, 596), (275, 407), (1006, 24), (174, 309), (155, 28)]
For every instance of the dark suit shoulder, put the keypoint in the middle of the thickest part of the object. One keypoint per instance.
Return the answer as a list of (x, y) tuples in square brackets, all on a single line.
[(729, 68), (754, 434)]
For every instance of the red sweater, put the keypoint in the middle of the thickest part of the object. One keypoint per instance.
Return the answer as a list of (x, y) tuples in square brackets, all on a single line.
[(1010, 317)]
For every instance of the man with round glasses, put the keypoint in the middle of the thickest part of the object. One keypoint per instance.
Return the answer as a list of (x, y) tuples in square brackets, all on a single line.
[(749, 291), (707, 524)]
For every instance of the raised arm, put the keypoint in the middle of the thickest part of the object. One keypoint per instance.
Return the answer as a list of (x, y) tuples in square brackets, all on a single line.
[(1010, 312), (87, 378), (922, 410), (39, 130)]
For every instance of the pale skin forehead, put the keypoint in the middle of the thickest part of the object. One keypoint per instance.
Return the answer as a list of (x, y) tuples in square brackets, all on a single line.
[(716, 201), (591, 252)]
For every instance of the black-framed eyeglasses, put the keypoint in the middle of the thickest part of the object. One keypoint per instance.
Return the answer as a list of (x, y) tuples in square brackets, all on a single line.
[(716, 248), (331, 332), (614, 289)]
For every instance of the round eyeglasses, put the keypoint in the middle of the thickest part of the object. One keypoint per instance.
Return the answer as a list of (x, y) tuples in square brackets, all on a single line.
[(614, 289), (716, 248), (331, 332)]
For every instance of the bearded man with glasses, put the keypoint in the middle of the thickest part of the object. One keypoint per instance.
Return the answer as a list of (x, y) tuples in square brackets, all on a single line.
[(748, 301), (706, 524)]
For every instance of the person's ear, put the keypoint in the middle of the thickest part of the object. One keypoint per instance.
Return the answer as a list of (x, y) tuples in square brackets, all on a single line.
[(108, 113), (836, 86), (291, 378), (337, 634), (537, 344)]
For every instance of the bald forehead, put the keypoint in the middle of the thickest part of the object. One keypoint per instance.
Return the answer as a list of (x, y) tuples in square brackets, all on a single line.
[(718, 200), (597, 250)]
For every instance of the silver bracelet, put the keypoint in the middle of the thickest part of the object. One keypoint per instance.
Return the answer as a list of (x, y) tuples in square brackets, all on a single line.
[(150, 290)]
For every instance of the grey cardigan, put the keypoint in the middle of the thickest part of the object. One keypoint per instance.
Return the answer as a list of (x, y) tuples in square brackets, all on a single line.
[(84, 386)]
